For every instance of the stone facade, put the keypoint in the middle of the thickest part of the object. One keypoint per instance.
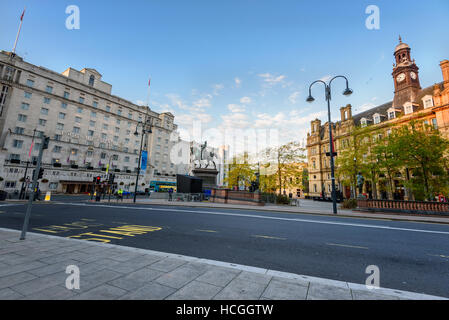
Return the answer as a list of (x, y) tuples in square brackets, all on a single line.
[(88, 126), (429, 105)]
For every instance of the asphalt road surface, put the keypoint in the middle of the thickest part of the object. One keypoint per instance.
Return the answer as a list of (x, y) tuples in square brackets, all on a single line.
[(411, 256)]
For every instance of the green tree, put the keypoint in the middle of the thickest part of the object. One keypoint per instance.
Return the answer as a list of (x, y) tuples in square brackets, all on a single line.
[(239, 171), (424, 151)]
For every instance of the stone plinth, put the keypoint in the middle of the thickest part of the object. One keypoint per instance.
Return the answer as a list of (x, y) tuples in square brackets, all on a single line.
[(209, 177)]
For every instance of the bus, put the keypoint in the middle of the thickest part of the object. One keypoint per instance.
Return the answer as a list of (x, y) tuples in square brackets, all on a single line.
[(162, 186)]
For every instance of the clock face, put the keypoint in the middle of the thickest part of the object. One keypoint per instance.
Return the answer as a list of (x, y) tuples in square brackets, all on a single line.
[(413, 75), (401, 77)]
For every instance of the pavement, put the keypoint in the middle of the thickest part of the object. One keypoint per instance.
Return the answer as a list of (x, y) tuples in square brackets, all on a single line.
[(35, 269), (305, 207)]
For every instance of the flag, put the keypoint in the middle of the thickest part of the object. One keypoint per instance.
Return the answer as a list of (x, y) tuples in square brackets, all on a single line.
[(31, 148), (149, 82), (23, 13)]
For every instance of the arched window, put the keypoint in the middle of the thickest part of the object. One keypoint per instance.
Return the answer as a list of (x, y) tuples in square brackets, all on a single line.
[(91, 80)]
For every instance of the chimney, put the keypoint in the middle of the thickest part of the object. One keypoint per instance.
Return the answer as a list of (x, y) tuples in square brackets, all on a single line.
[(445, 69)]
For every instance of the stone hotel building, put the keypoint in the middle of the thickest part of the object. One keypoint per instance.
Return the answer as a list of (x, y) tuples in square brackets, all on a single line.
[(89, 129)]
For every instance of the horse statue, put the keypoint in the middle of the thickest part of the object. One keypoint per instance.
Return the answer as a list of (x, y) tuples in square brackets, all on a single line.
[(203, 156)]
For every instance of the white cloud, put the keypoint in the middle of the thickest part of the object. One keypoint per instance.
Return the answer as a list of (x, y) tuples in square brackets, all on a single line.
[(235, 120), (217, 88), (326, 78), (293, 98), (271, 80), (238, 82), (235, 108), (141, 103), (245, 100)]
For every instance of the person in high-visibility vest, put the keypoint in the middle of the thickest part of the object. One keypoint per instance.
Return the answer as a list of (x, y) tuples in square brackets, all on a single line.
[(120, 194)]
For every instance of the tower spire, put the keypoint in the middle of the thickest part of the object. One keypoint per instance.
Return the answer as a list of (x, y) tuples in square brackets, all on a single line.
[(400, 39)]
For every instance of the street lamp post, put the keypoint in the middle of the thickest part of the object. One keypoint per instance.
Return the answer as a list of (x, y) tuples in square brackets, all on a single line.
[(144, 131), (332, 154)]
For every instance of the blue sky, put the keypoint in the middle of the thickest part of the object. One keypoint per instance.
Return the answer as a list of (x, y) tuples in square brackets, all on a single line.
[(235, 63)]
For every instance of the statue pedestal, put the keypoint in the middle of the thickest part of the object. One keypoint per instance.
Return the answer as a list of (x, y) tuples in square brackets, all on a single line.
[(209, 177)]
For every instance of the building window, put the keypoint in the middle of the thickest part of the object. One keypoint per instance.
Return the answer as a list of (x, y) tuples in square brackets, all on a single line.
[(93, 114), (25, 106), (376, 118), (19, 130), (104, 136), (61, 115), (91, 80), (434, 123), (408, 109), (17, 144), (30, 83), (10, 184), (76, 130), (77, 119), (66, 95), (57, 149), (391, 115), (81, 100), (49, 89), (22, 118), (108, 108), (60, 126), (95, 104), (53, 185), (92, 123), (64, 105), (47, 100), (28, 95), (44, 111), (363, 122), (79, 110), (90, 133)]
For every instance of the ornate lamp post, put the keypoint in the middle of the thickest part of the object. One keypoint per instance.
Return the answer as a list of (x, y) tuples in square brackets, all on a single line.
[(136, 133), (332, 154)]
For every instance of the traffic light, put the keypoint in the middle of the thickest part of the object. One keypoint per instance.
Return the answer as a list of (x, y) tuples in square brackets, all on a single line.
[(45, 143), (41, 173), (98, 179)]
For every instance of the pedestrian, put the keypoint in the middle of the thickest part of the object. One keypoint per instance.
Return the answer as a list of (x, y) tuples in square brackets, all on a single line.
[(170, 194), (120, 194)]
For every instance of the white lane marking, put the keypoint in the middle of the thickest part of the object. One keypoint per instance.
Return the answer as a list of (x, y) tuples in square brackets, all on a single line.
[(9, 205), (346, 246), (262, 217)]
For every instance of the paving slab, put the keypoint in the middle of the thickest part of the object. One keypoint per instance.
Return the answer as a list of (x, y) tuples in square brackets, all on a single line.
[(150, 291), (196, 290), (179, 277), (103, 292), (137, 279), (241, 290), (318, 291), (219, 276), (285, 290)]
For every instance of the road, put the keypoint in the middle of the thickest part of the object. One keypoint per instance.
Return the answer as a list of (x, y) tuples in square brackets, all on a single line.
[(411, 256)]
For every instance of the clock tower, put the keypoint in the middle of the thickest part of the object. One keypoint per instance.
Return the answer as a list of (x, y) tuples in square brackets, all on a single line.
[(405, 75)]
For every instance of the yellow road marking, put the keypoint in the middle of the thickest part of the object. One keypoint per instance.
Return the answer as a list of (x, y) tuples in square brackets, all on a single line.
[(268, 237), (346, 245), (212, 231)]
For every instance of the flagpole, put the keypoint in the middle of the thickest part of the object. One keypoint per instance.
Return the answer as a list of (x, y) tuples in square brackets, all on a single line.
[(18, 32), (148, 93)]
